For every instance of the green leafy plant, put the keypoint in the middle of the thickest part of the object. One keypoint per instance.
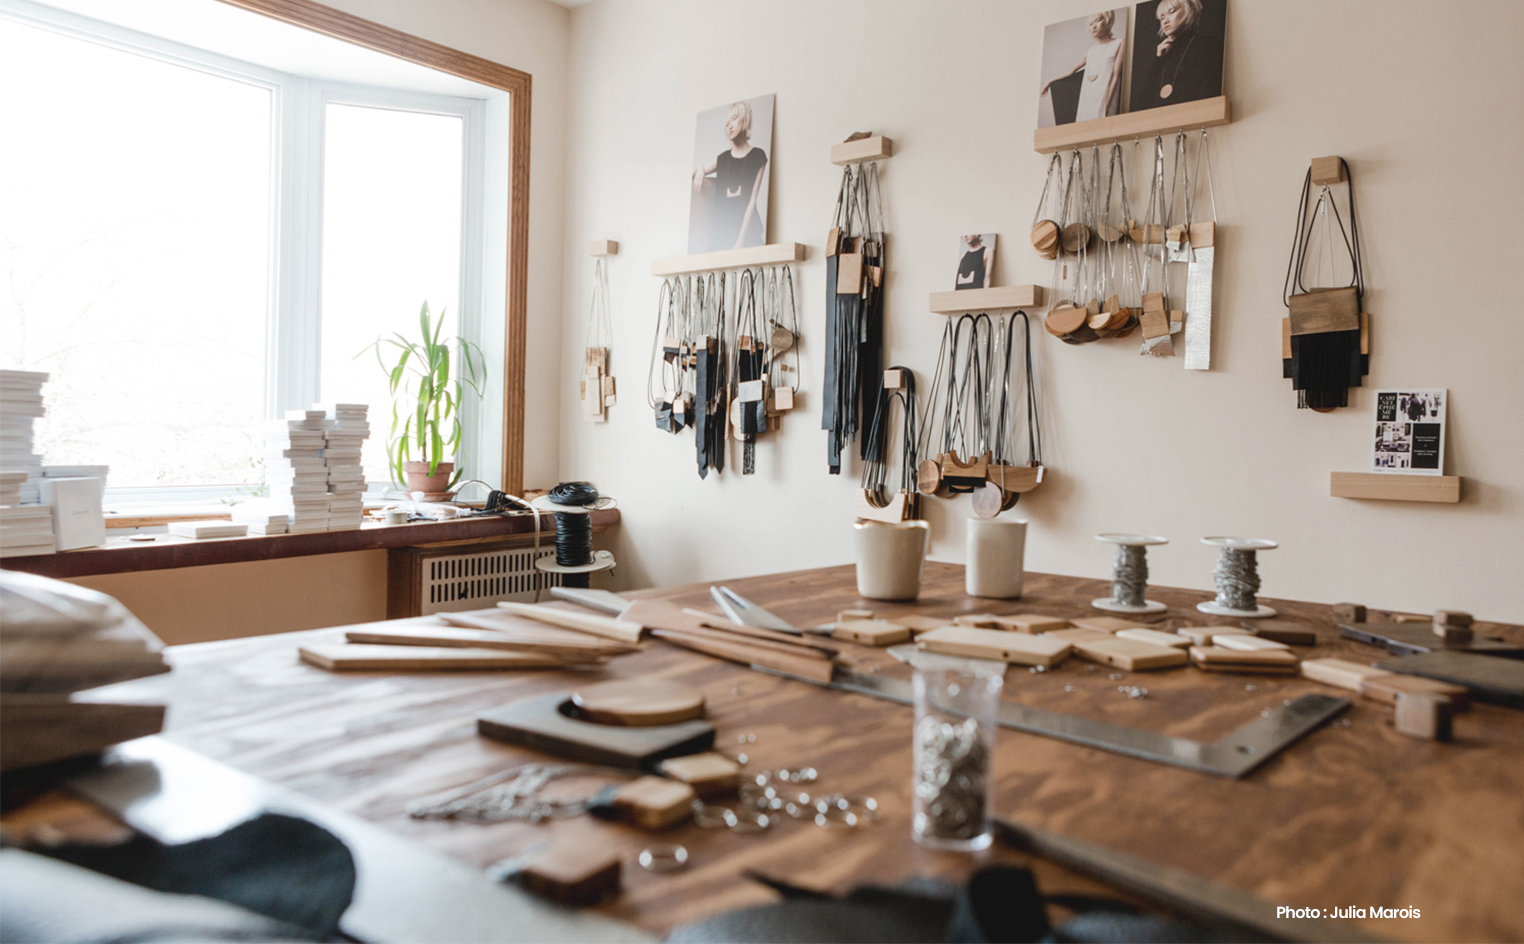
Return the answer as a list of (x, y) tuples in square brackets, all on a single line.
[(426, 394)]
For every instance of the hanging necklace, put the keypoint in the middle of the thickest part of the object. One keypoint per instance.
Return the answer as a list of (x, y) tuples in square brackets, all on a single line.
[(1168, 88)]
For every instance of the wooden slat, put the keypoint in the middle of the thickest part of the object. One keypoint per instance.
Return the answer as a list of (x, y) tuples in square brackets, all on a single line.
[(1206, 113), (1395, 486), (361, 32), (1000, 298), (873, 148), (773, 254)]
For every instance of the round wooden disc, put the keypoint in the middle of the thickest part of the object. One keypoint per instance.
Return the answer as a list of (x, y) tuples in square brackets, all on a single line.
[(989, 500), (1065, 320), (1044, 236), (1076, 236), (928, 476), (637, 703), (1108, 232)]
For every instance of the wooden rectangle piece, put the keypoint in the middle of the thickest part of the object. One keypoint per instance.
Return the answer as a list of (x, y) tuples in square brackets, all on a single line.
[(1325, 309), (871, 632), (1395, 486), (1076, 633), (1185, 116), (1107, 624), (655, 802), (1248, 643), (340, 657), (1032, 623), (1218, 659), (769, 255), (572, 874), (1203, 635), (603, 247), (921, 624), (849, 273), (709, 774), (1327, 170), (1286, 631), (1425, 716), (998, 298), (1340, 673), (1017, 648), (1128, 654), (1386, 688), (1173, 640), (872, 148)]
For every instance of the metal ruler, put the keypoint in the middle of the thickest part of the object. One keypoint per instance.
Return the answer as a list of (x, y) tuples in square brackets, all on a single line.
[(1235, 755)]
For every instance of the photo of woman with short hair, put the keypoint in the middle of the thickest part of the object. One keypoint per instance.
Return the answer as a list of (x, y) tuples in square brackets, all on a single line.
[(729, 209), (976, 266), (1099, 68), (1182, 60)]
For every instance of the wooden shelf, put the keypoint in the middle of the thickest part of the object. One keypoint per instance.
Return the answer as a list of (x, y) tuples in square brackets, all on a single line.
[(603, 247), (769, 255), (1206, 113), (873, 148), (1395, 486), (1000, 298)]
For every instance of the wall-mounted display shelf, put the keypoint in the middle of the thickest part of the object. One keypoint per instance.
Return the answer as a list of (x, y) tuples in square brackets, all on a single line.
[(1395, 486), (769, 255), (1001, 298), (1206, 113), (603, 247), (872, 148)]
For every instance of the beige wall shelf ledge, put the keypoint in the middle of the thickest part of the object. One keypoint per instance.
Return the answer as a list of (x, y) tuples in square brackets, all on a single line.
[(1206, 113), (1000, 298), (872, 148), (603, 247), (771, 254), (1395, 486)]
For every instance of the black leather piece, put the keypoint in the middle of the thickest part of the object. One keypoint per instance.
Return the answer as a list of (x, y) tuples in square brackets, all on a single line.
[(275, 865), (664, 417)]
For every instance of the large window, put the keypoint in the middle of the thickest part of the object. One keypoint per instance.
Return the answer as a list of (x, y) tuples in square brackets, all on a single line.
[(189, 244)]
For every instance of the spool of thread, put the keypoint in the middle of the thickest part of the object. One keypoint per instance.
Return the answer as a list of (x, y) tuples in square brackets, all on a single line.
[(574, 529), (1236, 578), (1129, 575)]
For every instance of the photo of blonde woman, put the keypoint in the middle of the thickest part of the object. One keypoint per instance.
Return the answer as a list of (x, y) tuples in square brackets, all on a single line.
[(729, 207), (1177, 56), (976, 261), (1082, 68)]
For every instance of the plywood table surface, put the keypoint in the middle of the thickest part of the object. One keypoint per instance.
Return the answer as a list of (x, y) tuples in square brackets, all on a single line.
[(1353, 815)]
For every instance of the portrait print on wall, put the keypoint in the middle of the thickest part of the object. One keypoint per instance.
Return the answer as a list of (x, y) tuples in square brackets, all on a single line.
[(976, 261), (1177, 52), (731, 165), (1082, 63)]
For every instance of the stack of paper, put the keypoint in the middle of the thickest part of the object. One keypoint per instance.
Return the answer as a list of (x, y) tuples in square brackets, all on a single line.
[(201, 530), (24, 529), (20, 406), (341, 453), (296, 471), (261, 518), (77, 472)]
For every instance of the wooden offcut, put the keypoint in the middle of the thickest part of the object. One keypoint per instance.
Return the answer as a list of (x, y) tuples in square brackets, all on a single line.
[(572, 874), (655, 802), (1424, 715), (1220, 659), (1327, 170), (41, 729), (708, 774), (620, 629), (1107, 624), (1032, 622), (996, 644), (603, 247), (1129, 654), (998, 298), (1386, 688), (871, 632), (1155, 637), (339, 657), (1340, 673)]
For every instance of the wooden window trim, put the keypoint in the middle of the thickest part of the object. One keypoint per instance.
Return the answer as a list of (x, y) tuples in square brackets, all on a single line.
[(384, 39)]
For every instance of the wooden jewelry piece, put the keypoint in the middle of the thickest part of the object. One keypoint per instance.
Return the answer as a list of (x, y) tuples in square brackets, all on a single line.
[(877, 503), (854, 316), (597, 388)]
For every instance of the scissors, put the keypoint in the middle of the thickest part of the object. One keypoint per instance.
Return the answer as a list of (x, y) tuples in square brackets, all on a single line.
[(747, 613)]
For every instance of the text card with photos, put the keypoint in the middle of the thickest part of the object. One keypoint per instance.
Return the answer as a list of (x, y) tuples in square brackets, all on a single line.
[(1410, 432)]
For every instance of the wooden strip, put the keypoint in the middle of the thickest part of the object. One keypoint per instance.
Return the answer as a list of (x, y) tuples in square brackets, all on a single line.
[(1340, 673), (872, 148), (40, 729), (514, 628), (1386, 688), (999, 298), (606, 626), (655, 614), (1395, 486), (774, 254), (998, 644), (871, 632), (1186, 116), (1209, 657), (782, 648), (479, 639), (1130, 655), (819, 670), (365, 658)]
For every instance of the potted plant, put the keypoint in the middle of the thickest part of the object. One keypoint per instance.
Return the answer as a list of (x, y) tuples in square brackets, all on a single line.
[(426, 378)]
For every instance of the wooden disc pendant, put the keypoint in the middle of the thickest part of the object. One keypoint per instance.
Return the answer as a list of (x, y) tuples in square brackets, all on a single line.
[(1045, 238), (1166, 91), (1065, 320), (1108, 232), (928, 476), (639, 703), (782, 339), (1076, 237), (989, 500)]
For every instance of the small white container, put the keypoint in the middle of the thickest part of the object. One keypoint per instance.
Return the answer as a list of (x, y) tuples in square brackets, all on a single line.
[(997, 549), (890, 558)]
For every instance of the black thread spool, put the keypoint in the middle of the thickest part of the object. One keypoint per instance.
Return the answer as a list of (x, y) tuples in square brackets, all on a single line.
[(574, 529)]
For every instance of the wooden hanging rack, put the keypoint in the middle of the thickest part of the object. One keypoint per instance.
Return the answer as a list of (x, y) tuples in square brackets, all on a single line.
[(875, 147), (1186, 116), (1395, 486), (999, 298), (603, 247), (769, 255)]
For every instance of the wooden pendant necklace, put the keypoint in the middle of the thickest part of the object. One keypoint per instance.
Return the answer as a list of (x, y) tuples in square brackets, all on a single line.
[(1045, 232), (1168, 88), (597, 388), (878, 503)]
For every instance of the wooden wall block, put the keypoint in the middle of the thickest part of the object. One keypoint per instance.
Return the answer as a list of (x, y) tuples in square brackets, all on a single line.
[(1348, 612), (603, 247), (1327, 170)]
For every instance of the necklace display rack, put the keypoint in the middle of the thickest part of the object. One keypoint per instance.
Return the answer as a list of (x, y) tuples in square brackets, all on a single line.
[(980, 398), (856, 259), (725, 352), (597, 389), (1112, 271), (1325, 340)]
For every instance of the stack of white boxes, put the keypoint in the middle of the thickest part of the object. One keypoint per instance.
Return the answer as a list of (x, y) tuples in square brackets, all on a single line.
[(296, 471), (261, 517), (343, 440), (26, 527)]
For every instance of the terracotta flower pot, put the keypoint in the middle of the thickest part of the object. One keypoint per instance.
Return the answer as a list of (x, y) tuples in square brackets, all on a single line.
[(419, 479)]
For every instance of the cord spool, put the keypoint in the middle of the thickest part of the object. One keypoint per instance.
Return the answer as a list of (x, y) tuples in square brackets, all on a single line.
[(1129, 575), (1237, 578), (572, 504)]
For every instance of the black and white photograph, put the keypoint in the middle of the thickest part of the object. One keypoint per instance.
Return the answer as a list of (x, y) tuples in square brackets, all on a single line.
[(1410, 432), (976, 261), (731, 164), (1177, 52), (1082, 62)]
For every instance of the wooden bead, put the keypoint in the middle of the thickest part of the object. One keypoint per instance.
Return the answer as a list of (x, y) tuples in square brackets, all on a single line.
[(1422, 715)]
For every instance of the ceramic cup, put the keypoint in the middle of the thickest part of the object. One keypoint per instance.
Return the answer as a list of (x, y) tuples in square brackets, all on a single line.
[(890, 558), (996, 557)]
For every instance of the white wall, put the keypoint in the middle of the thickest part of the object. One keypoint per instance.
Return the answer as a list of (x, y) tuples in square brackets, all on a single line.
[(532, 36), (1421, 100)]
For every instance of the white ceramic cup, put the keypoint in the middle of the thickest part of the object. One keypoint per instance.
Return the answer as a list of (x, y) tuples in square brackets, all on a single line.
[(890, 558), (997, 550)]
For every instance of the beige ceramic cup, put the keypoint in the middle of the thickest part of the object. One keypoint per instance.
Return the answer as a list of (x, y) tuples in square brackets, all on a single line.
[(996, 558), (890, 558)]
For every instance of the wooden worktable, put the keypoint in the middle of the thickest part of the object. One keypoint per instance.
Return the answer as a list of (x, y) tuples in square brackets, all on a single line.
[(1353, 815)]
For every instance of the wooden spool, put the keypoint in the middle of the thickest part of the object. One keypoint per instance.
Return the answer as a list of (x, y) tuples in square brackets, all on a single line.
[(1045, 238), (1077, 236), (637, 703)]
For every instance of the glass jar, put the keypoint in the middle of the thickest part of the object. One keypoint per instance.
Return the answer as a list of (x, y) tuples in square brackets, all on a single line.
[(954, 740)]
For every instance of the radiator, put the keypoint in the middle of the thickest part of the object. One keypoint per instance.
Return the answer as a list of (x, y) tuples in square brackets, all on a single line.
[(479, 579)]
